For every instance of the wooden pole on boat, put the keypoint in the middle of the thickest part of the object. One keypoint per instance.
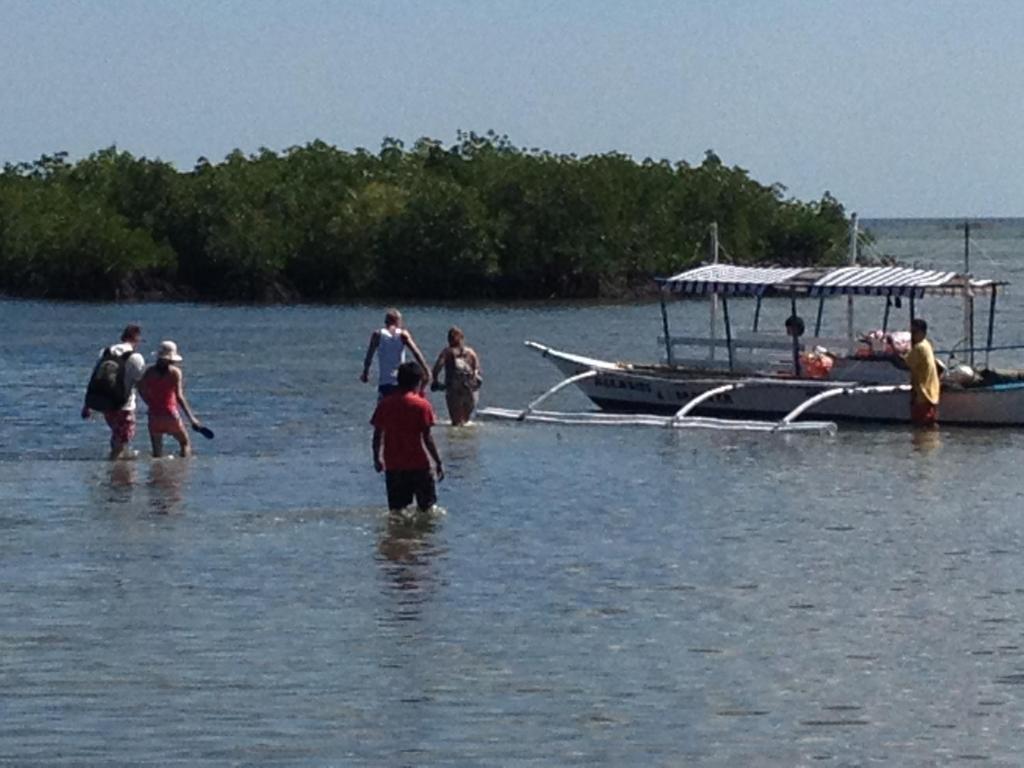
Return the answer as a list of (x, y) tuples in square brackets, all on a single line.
[(664, 327), (817, 321), (968, 299), (967, 247), (849, 298), (728, 330), (991, 323), (714, 296), (796, 356), (969, 317)]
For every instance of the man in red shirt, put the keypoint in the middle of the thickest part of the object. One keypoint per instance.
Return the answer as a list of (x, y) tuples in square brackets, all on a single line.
[(402, 423)]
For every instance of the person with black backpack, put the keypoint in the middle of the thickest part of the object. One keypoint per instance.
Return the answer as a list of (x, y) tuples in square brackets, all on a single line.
[(111, 389)]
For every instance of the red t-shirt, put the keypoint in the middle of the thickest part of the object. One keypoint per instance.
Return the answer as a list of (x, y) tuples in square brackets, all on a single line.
[(403, 417)]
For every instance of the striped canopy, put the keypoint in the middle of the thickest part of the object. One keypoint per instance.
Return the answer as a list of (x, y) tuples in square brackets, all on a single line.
[(728, 279)]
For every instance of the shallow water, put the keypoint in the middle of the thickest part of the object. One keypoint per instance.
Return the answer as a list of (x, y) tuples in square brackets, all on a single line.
[(613, 596)]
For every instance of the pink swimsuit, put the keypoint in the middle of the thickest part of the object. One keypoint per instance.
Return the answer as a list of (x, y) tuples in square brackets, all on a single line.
[(162, 398)]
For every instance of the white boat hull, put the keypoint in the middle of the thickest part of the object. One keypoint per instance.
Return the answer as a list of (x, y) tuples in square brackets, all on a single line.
[(620, 387)]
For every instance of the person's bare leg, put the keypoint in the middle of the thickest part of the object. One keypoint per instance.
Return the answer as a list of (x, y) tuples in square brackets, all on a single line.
[(456, 411), (465, 408), (118, 449), (157, 441), (184, 444)]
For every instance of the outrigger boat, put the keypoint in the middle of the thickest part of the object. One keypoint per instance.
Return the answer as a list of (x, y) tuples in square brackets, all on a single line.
[(840, 379)]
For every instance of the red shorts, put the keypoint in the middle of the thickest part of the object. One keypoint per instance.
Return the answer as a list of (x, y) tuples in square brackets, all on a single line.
[(122, 426), (165, 424), (924, 414)]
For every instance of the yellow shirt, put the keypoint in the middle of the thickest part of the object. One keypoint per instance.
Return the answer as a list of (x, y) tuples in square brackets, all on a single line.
[(924, 378)]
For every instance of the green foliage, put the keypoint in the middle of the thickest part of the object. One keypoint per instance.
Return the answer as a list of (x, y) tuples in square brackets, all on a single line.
[(811, 233), (60, 240), (479, 218)]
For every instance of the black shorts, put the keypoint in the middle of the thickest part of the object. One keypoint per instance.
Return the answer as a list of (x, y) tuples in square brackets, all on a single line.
[(403, 484)]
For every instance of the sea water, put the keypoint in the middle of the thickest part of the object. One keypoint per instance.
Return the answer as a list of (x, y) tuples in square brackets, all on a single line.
[(593, 596)]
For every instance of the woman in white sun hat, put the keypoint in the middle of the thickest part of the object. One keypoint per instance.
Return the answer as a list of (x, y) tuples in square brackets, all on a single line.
[(163, 388)]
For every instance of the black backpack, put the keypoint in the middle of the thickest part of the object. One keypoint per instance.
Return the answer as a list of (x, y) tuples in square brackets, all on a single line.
[(107, 390)]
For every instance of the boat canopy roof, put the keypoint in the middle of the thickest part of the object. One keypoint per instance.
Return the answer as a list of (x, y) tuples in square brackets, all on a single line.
[(732, 280)]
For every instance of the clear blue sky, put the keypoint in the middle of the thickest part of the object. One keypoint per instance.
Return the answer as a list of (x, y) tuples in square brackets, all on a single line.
[(902, 108)]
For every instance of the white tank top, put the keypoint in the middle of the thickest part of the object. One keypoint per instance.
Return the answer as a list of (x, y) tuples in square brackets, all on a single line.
[(390, 354)]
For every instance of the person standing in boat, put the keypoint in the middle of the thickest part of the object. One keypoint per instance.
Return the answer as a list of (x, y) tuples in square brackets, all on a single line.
[(924, 376), (462, 377), (390, 343)]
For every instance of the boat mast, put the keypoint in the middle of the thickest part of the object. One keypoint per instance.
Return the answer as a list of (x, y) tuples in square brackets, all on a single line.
[(714, 296), (968, 298), (967, 247), (849, 298)]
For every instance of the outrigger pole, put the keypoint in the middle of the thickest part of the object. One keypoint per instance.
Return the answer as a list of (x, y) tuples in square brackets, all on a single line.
[(810, 402), (681, 419), (588, 374)]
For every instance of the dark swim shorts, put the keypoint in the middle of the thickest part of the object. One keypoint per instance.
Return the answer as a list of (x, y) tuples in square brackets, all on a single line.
[(403, 484)]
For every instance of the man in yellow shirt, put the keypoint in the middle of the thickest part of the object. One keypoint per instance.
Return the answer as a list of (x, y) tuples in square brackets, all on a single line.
[(924, 376)]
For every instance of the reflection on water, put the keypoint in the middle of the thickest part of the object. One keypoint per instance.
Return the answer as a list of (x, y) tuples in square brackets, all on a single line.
[(463, 442), (404, 537), (167, 479), (405, 543), (123, 475), (926, 440), (114, 484), (166, 482), (406, 557)]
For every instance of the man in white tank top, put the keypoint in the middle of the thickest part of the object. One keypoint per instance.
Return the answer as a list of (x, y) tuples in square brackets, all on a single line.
[(390, 343)]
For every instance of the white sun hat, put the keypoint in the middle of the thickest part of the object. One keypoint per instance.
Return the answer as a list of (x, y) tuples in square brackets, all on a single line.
[(168, 351)]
